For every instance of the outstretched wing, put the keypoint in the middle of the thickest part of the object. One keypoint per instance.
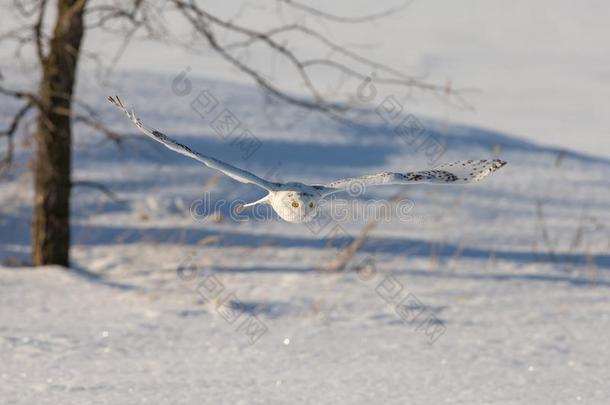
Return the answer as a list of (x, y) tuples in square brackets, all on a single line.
[(465, 171), (231, 171)]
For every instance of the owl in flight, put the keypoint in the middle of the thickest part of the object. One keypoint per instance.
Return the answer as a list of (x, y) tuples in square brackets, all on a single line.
[(297, 202)]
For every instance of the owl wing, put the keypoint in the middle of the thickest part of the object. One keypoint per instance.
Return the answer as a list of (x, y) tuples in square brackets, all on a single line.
[(464, 171), (231, 171)]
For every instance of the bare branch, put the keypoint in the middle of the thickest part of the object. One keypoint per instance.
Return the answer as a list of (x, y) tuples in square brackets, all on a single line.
[(351, 72), (9, 133), (22, 8), (91, 120), (38, 30), (130, 17), (342, 19), (16, 119), (24, 95), (202, 22), (334, 48), (98, 126), (97, 186)]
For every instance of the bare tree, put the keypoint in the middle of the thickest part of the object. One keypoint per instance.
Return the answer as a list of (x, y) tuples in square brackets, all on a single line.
[(58, 52), (51, 224)]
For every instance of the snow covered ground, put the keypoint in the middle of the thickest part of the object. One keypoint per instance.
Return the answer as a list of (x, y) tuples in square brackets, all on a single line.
[(490, 293)]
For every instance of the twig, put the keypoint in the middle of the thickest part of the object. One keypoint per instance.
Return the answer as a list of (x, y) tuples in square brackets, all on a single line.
[(38, 33), (349, 20), (345, 256), (9, 132), (97, 186)]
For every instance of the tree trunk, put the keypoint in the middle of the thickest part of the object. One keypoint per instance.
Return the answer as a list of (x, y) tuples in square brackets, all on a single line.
[(51, 222)]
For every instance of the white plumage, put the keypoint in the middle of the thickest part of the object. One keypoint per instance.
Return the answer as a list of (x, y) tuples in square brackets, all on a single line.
[(297, 202)]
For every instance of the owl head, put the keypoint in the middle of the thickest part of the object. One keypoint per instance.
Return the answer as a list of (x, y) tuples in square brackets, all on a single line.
[(294, 206)]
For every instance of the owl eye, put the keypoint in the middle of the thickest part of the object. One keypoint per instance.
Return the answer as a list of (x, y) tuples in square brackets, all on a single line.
[(295, 204), (311, 204)]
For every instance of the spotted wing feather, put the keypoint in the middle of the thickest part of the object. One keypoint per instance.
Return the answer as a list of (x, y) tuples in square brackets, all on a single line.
[(466, 171)]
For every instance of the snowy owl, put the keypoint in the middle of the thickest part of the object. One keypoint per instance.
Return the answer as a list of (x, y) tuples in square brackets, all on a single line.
[(296, 202)]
